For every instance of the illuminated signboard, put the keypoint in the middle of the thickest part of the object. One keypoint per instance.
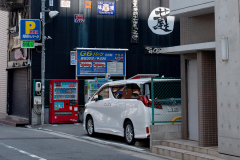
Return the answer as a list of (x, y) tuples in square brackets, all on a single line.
[(27, 44), (98, 62)]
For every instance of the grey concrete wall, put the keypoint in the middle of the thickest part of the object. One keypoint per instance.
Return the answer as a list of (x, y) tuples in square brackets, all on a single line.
[(228, 157), (36, 118), (228, 75), (164, 132)]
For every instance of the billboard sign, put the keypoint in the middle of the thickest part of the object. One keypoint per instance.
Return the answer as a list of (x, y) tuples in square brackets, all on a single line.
[(30, 29), (106, 8), (94, 62)]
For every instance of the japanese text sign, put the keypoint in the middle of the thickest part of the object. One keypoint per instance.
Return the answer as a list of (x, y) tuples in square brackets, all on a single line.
[(30, 29), (27, 44), (106, 8), (100, 62)]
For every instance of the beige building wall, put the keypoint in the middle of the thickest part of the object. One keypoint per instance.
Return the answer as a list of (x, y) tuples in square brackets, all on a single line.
[(3, 60)]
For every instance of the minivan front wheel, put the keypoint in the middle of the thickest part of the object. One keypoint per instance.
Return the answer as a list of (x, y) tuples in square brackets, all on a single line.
[(90, 126), (129, 133)]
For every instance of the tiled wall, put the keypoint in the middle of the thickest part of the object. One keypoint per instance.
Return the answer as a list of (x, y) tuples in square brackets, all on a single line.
[(197, 29), (207, 98)]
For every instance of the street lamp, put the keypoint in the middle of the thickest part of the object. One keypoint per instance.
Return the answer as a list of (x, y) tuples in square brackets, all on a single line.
[(51, 15)]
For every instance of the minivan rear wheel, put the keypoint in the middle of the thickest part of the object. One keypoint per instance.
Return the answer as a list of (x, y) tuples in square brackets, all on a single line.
[(90, 126), (129, 133)]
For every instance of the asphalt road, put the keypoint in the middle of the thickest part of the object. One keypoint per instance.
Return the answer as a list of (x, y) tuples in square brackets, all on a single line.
[(42, 144), (77, 130)]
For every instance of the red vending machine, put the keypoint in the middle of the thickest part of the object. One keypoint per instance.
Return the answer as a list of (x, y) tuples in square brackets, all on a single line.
[(63, 101)]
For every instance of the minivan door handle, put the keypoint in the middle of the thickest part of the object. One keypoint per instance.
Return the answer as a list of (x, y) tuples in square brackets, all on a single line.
[(109, 104), (105, 104)]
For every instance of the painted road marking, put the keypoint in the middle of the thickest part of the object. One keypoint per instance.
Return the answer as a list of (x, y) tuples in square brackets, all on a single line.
[(112, 143), (23, 152), (87, 139)]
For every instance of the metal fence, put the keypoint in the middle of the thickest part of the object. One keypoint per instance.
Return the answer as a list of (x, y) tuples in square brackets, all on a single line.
[(166, 100)]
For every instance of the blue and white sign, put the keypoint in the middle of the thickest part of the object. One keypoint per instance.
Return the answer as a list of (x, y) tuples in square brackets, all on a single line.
[(106, 8), (79, 18), (73, 58), (99, 62), (30, 29), (50, 2)]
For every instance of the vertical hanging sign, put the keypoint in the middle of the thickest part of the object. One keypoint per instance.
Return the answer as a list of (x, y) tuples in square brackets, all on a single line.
[(50, 2), (135, 36)]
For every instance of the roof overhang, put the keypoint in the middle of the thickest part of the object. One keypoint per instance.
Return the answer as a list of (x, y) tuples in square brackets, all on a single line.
[(191, 48), (195, 10)]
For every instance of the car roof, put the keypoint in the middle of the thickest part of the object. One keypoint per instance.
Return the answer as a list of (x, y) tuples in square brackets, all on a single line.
[(138, 81)]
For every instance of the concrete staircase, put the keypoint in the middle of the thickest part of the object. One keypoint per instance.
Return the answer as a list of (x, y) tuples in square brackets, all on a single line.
[(185, 150), (13, 120)]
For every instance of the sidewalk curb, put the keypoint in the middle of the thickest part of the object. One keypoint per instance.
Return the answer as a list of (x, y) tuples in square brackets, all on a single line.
[(112, 144)]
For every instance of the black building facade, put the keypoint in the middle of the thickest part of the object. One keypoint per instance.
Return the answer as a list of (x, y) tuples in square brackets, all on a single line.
[(104, 31), (98, 31)]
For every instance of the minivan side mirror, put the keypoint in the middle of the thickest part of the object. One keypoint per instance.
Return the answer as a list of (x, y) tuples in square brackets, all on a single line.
[(96, 97)]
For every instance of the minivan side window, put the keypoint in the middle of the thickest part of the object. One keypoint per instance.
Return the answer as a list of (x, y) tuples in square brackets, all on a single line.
[(102, 94), (119, 92), (133, 91)]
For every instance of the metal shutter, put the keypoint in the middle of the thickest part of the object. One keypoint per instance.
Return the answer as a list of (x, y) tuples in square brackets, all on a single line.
[(19, 105), (3, 60)]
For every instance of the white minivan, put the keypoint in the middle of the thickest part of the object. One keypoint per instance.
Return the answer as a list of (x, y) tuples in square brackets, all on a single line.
[(124, 108)]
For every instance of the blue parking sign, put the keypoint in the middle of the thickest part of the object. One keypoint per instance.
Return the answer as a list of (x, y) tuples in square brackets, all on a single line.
[(79, 18), (30, 29)]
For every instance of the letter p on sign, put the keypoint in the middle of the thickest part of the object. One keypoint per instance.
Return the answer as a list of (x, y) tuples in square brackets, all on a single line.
[(30, 29), (29, 25)]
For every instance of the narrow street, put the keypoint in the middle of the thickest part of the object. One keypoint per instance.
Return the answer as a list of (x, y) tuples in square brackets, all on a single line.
[(63, 143)]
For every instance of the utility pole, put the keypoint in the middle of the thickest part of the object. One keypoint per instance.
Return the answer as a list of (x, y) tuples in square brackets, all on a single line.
[(43, 61)]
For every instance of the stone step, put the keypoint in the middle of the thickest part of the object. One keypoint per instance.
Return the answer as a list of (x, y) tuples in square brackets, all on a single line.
[(16, 118), (181, 154), (12, 122), (190, 146)]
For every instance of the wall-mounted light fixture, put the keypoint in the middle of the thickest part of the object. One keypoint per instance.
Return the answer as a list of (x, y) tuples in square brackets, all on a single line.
[(225, 51)]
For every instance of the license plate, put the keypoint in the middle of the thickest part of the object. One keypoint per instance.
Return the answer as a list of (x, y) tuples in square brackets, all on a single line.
[(172, 109)]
